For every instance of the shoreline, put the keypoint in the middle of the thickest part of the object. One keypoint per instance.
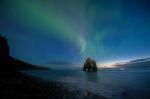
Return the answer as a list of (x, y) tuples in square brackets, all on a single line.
[(20, 86)]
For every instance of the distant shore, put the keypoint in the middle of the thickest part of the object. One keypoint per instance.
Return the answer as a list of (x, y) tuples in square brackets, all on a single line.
[(19, 86)]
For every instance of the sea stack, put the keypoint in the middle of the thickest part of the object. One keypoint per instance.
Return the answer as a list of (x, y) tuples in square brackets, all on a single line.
[(90, 65)]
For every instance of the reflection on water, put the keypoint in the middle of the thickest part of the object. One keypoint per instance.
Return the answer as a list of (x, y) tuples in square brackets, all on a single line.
[(91, 76)]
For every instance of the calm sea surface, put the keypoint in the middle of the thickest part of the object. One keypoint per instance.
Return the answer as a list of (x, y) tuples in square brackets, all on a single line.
[(114, 84)]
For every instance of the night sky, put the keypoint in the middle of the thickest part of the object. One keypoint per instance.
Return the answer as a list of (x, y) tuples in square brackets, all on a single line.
[(40, 31)]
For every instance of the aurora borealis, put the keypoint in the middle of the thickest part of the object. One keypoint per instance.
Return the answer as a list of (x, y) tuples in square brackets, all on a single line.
[(39, 31)]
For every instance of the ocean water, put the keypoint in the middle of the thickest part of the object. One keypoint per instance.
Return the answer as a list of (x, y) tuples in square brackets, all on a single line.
[(113, 84)]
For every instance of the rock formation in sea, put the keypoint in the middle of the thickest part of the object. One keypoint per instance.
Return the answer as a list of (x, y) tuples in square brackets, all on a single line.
[(90, 65)]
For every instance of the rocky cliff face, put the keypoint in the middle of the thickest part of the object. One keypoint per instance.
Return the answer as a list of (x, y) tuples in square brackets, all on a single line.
[(4, 52), (90, 65), (4, 48), (10, 64)]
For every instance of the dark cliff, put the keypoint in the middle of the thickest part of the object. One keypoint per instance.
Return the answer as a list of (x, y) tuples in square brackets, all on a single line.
[(8, 63)]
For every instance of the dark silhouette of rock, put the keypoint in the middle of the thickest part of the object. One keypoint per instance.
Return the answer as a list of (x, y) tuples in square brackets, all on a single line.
[(10, 64), (4, 52), (4, 48), (90, 65)]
